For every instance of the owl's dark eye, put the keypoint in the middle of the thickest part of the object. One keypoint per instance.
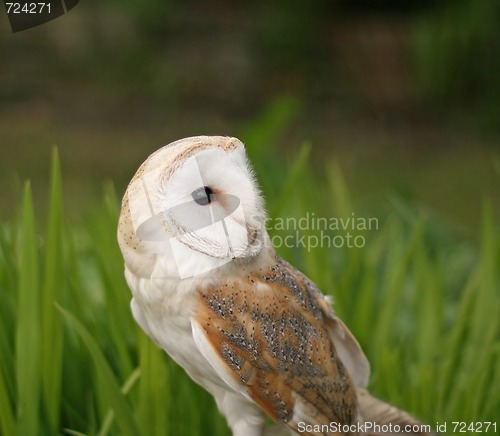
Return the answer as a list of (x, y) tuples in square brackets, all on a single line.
[(203, 195)]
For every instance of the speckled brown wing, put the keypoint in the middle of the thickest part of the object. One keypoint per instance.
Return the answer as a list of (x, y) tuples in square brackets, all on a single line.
[(348, 348), (270, 335)]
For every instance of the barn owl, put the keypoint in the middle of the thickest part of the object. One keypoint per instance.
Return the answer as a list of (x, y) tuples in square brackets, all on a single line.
[(209, 288)]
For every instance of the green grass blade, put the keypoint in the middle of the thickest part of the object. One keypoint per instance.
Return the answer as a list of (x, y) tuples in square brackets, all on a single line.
[(115, 290), (298, 167), (7, 420), (485, 323), (52, 326), (110, 416), (28, 326), (270, 125), (394, 275), (73, 432), (154, 387), (340, 193), (117, 401), (8, 288)]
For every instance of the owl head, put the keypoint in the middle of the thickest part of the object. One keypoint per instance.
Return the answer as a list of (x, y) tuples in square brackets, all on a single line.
[(192, 206)]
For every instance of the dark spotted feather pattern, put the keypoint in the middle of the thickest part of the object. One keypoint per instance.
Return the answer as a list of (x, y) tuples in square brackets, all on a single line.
[(269, 329)]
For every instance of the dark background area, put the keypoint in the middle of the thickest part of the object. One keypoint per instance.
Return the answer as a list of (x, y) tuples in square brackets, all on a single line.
[(404, 95)]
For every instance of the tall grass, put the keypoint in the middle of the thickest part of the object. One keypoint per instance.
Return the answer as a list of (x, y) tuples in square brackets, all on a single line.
[(424, 304)]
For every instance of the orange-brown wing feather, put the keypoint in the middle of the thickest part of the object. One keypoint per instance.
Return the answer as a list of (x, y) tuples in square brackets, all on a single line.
[(270, 331)]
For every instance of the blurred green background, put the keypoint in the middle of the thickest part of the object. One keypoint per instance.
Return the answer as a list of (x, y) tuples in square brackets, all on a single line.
[(404, 94), (381, 108)]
